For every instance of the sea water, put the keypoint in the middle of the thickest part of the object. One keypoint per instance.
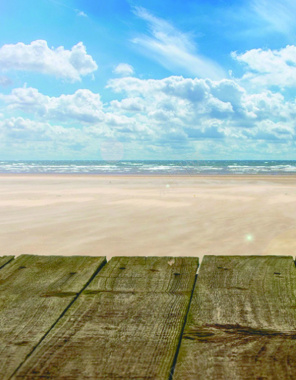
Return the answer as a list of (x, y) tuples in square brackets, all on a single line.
[(172, 167)]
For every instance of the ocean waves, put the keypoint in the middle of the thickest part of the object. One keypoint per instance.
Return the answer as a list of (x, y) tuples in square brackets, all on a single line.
[(203, 167)]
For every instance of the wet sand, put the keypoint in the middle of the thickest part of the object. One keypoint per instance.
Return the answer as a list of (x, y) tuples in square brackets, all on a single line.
[(165, 216)]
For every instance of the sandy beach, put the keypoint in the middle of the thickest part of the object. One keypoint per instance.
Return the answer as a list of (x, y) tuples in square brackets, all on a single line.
[(165, 216)]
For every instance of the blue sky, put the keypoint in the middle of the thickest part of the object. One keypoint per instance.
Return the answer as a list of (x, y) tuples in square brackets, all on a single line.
[(147, 79)]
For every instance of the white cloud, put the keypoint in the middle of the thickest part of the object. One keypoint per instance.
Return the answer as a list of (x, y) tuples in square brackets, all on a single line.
[(27, 138), (38, 57), (173, 113), (269, 67), (18, 128), (155, 108), (178, 98), (174, 49), (205, 108), (130, 104), (83, 106), (80, 13), (124, 69)]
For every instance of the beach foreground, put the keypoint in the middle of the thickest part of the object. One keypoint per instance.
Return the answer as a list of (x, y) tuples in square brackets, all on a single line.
[(147, 216)]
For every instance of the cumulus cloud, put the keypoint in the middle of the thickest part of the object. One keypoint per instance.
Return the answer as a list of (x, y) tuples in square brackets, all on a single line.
[(18, 128), (177, 98), (270, 130), (174, 49), (38, 57), (172, 113), (210, 108), (130, 104), (124, 69), (84, 105), (155, 108), (30, 137), (269, 67)]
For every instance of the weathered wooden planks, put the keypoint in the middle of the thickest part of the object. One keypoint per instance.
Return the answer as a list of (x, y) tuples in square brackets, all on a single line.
[(34, 292), (4, 260), (126, 324), (242, 320)]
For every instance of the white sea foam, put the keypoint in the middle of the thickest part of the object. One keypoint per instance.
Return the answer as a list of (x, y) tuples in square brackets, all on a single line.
[(149, 167)]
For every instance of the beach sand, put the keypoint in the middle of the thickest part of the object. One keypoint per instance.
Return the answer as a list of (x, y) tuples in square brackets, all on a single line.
[(147, 216)]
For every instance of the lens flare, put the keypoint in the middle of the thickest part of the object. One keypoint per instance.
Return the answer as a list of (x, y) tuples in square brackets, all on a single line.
[(249, 237)]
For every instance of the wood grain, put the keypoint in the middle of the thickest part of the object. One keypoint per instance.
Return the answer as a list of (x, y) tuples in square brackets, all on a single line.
[(4, 260), (242, 320), (126, 324), (34, 292)]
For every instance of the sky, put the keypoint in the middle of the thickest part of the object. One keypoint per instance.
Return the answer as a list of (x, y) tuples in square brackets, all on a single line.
[(147, 79)]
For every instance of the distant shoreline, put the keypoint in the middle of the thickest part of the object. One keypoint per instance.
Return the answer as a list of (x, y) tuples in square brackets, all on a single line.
[(152, 168), (177, 176)]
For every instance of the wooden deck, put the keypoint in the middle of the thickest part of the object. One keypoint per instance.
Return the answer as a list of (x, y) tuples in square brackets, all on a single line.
[(147, 317)]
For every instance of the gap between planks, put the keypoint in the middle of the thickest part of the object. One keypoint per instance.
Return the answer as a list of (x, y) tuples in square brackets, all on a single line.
[(183, 327), (185, 321), (6, 262), (76, 297), (182, 321)]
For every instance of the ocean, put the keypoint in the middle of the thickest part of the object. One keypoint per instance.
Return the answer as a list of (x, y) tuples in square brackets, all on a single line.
[(202, 167)]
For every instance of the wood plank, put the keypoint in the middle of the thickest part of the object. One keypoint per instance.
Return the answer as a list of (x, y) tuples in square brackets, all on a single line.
[(242, 320), (4, 260), (34, 292), (127, 323)]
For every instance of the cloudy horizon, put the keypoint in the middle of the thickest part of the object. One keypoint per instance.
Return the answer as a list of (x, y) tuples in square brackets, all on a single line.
[(186, 81)]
